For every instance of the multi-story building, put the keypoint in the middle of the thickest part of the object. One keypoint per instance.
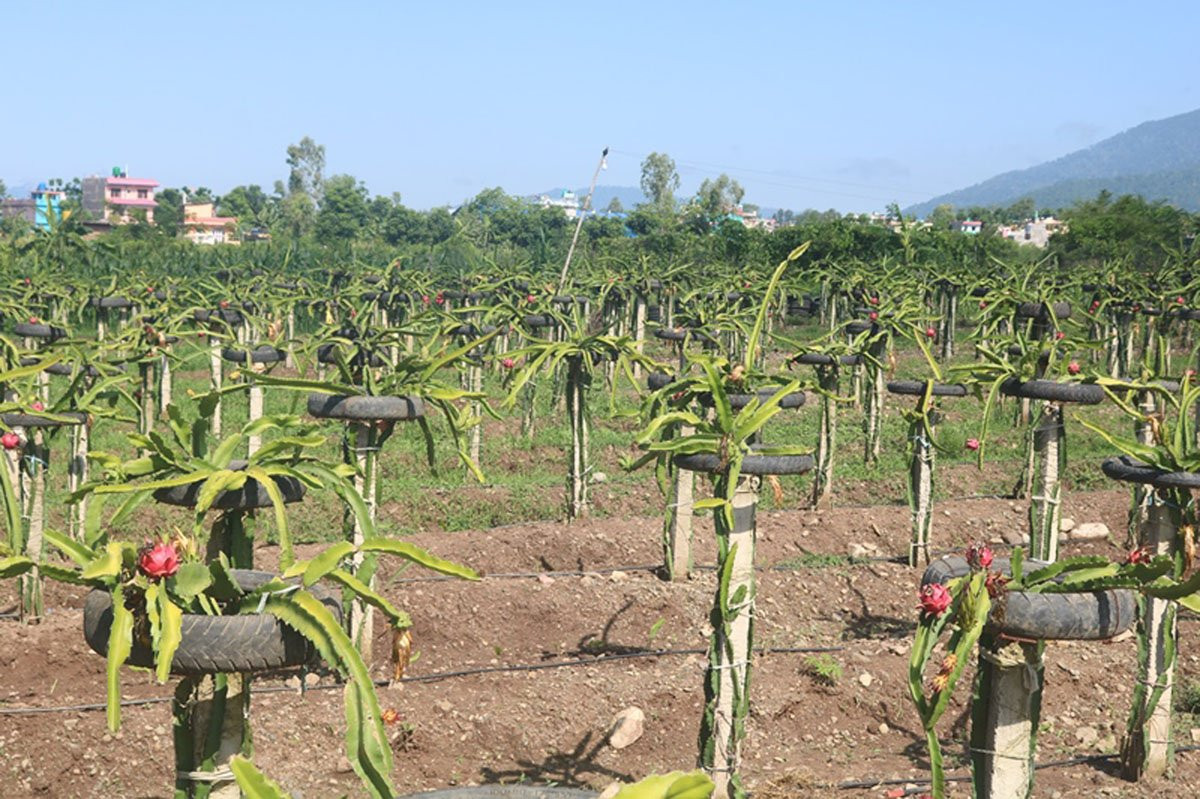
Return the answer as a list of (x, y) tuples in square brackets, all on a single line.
[(202, 226), (119, 199), (43, 205)]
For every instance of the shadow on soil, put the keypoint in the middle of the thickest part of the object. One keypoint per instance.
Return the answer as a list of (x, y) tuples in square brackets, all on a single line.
[(565, 769), (866, 624), (593, 644)]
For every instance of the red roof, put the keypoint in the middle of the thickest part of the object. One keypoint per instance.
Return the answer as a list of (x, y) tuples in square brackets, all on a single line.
[(146, 182)]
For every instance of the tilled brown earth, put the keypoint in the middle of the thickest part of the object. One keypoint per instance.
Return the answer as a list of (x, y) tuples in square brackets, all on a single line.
[(583, 628)]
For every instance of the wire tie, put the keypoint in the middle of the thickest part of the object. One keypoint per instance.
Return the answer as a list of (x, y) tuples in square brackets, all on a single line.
[(733, 665), (994, 753)]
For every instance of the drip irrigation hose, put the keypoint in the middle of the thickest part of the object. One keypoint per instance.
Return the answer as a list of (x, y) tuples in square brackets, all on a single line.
[(1069, 761), (436, 676)]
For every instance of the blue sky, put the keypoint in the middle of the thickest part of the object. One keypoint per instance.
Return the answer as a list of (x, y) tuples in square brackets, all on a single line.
[(831, 104)]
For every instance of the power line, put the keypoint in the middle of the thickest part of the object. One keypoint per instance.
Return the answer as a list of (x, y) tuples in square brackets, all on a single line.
[(773, 179)]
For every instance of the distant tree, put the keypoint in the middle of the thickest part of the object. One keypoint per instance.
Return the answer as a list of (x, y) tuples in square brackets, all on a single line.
[(406, 226), (719, 196), (1127, 229), (379, 210), (200, 194), (297, 212), (941, 217), (1021, 210), (72, 189), (168, 211), (252, 206), (660, 180), (441, 225), (307, 163), (596, 229), (784, 216), (614, 205), (3, 190), (344, 212)]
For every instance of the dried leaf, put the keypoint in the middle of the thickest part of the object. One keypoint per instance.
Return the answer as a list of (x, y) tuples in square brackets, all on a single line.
[(776, 488), (401, 652)]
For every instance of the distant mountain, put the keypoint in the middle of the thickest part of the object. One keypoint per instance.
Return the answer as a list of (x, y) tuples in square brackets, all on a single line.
[(1159, 160), (630, 196)]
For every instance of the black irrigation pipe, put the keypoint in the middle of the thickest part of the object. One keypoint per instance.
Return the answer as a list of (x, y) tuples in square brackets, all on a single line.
[(850, 561), (1070, 761), (761, 512), (436, 676)]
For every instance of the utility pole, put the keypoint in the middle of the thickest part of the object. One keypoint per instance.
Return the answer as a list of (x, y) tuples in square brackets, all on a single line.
[(587, 203)]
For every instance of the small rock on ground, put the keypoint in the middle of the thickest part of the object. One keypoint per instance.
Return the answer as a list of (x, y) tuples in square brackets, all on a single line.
[(1090, 531), (627, 727)]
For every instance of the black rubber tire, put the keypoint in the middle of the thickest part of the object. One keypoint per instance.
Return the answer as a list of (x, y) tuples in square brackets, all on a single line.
[(325, 354), (1190, 314), (365, 409), (249, 496), (821, 359), (657, 380), (1082, 616), (539, 320), (751, 464), (263, 353), (111, 302), (1053, 391), (858, 327), (739, 401), (38, 330), (472, 330), (1042, 311), (916, 388), (230, 316), (504, 792), (670, 334), (32, 420), (1129, 470), (60, 368), (217, 644)]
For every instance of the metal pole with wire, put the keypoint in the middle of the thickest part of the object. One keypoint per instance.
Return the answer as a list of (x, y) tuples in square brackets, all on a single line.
[(587, 203)]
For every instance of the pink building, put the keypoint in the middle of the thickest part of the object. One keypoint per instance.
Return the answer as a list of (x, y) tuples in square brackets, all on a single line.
[(116, 199)]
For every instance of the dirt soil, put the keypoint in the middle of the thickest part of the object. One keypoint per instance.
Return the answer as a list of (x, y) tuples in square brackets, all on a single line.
[(591, 631)]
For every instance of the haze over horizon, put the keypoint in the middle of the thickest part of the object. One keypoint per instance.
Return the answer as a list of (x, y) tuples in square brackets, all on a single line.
[(806, 106)]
